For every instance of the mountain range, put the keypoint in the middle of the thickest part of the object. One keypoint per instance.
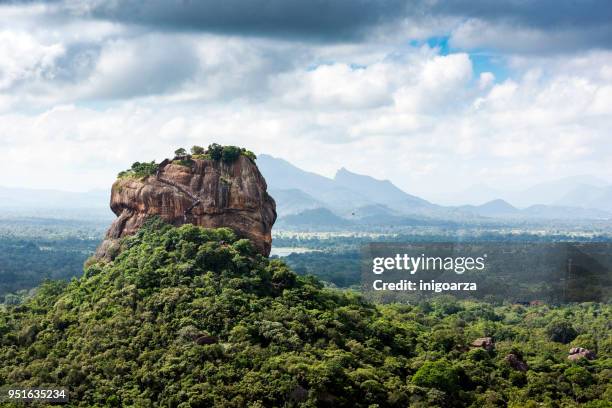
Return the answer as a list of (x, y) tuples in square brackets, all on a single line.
[(577, 191), (363, 200), (307, 198), (346, 194)]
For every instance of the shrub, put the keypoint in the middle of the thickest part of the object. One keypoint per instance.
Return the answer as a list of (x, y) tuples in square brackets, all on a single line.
[(140, 170), (437, 374), (215, 151), (561, 331), (197, 150), (578, 375), (249, 154), (230, 154)]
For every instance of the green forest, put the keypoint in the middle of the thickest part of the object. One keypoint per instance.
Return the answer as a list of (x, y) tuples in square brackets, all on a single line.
[(35, 249), (194, 317)]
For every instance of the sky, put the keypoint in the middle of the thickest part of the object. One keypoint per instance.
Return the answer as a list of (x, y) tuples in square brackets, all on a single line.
[(433, 95)]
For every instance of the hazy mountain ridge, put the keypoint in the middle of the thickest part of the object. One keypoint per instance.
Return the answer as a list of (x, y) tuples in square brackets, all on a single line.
[(381, 191), (357, 199), (589, 196), (577, 191), (502, 209), (343, 194), (364, 200), (293, 201)]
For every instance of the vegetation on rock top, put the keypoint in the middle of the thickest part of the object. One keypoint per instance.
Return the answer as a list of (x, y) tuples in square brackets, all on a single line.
[(227, 154), (139, 170)]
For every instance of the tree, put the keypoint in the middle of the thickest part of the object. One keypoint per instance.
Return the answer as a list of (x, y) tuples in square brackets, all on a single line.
[(437, 374), (180, 152), (230, 154), (140, 170), (578, 375), (561, 331), (197, 150), (215, 151), (249, 154)]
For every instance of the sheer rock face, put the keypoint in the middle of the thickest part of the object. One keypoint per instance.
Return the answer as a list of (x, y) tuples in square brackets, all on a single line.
[(207, 193)]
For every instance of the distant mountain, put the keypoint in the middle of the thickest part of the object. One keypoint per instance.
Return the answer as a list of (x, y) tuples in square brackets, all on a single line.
[(380, 191), (293, 201), (343, 194), (378, 215), (553, 191), (564, 213), (581, 195), (588, 196), (364, 200), (355, 199), (567, 191), (319, 217), (502, 209), (374, 210), (495, 209), (372, 216), (282, 175), (473, 195)]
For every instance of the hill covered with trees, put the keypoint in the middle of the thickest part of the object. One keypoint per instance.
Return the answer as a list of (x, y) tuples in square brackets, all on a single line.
[(193, 317)]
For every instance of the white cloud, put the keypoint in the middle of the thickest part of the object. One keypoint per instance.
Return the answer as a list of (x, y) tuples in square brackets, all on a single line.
[(338, 86), (426, 121), (23, 58)]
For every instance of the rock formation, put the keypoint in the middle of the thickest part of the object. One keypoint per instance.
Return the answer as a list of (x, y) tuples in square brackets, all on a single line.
[(205, 192), (516, 362), (486, 343), (577, 353)]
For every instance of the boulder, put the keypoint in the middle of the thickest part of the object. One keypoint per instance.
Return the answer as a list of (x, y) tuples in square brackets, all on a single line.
[(486, 343), (577, 353)]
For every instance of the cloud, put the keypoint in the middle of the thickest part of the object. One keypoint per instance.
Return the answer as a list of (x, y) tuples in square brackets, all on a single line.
[(438, 126), (551, 25), (318, 19), (146, 65), (23, 58), (538, 14), (544, 26), (97, 87), (417, 80), (511, 37), (170, 67)]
